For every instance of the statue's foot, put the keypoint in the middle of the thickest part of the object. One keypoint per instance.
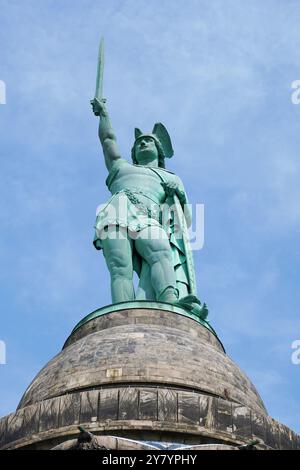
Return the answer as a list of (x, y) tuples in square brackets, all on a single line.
[(169, 295), (189, 302), (193, 305), (189, 299)]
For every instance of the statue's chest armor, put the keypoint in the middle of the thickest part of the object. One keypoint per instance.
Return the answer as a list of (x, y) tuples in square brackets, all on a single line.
[(138, 177)]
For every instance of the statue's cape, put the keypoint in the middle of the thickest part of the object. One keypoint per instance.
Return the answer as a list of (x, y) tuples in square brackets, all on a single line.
[(182, 243)]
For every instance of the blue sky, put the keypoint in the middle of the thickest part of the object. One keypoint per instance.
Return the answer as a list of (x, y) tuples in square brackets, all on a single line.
[(218, 74)]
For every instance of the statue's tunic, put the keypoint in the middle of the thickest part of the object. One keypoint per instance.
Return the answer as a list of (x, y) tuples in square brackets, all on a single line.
[(135, 203), (137, 196)]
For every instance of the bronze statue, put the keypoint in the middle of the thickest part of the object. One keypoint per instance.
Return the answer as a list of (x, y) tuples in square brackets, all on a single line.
[(143, 226)]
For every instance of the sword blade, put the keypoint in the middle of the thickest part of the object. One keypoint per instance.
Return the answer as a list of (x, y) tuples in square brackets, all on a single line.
[(100, 68)]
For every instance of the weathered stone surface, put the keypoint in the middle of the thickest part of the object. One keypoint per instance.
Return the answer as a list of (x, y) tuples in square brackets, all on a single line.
[(109, 404), (296, 441), (190, 416), (272, 434), (69, 409), (212, 410), (49, 413), (148, 407), (129, 403), (258, 426), (149, 347), (188, 408), (3, 430), (241, 421), (14, 424), (89, 406), (286, 438), (145, 316), (155, 377), (167, 405), (31, 418), (204, 409), (224, 416)]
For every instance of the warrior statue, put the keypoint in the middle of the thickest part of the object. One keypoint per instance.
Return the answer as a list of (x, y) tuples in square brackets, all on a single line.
[(144, 225)]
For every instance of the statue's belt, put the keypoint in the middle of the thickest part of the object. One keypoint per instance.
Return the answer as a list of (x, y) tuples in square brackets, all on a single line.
[(153, 213)]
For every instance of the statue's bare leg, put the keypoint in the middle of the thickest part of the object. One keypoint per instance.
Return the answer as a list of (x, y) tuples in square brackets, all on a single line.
[(117, 249), (145, 290), (153, 245)]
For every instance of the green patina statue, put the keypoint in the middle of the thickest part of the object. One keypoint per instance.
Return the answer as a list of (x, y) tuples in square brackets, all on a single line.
[(144, 225)]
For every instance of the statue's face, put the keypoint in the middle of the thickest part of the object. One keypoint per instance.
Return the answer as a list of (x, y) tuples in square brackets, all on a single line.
[(146, 150)]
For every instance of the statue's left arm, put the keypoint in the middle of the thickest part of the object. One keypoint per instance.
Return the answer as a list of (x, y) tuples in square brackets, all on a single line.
[(183, 199), (176, 187)]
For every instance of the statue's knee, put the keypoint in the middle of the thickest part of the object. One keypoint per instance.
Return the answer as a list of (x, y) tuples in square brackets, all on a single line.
[(120, 265), (162, 256), (121, 271), (118, 257)]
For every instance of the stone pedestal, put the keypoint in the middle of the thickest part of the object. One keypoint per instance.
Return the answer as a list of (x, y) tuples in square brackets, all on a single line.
[(143, 375)]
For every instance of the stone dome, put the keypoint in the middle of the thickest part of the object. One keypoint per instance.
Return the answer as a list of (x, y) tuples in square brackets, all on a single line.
[(143, 374), (143, 346)]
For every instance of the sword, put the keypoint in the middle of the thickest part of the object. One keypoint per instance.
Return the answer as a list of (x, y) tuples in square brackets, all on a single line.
[(100, 68)]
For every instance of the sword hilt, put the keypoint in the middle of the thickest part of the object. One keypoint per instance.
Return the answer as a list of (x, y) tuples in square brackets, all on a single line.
[(98, 102)]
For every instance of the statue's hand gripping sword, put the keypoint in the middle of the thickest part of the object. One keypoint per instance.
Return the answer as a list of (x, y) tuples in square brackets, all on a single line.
[(99, 101)]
